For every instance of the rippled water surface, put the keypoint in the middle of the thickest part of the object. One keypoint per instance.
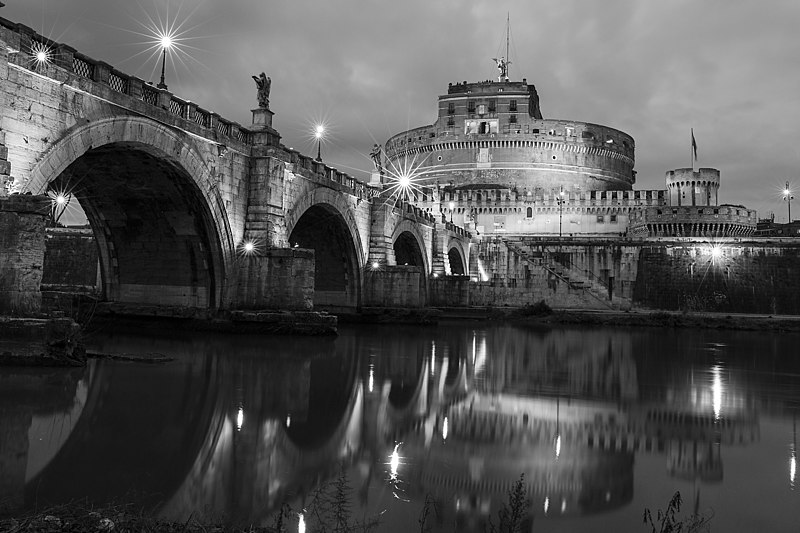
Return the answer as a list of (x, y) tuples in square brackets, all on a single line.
[(603, 423)]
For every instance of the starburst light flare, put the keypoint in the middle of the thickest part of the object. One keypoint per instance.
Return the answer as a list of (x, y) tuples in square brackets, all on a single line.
[(404, 179)]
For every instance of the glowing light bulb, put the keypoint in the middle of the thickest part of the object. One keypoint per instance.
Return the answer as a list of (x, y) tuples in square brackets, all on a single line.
[(320, 129), (61, 199), (375, 265), (249, 247), (41, 56), (166, 41), (404, 181)]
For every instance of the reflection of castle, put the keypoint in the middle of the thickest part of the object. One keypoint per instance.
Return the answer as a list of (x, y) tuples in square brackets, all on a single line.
[(473, 412), (503, 169)]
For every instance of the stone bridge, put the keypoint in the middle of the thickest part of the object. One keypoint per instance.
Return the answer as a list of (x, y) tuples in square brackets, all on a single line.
[(192, 210)]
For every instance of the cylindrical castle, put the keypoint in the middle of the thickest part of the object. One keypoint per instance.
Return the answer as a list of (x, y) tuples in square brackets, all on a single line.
[(492, 134)]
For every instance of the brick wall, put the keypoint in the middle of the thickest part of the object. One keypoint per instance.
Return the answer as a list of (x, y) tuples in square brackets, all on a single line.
[(70, 260), (393, 286), (749, 278), (276, 279)]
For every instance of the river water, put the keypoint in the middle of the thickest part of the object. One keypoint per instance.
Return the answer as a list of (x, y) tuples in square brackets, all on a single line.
[(601, 424)]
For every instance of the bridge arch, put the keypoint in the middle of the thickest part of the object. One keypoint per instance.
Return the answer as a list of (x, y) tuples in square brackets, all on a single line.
[(323, 220), (409, 244), (457, 257), (161, 226)]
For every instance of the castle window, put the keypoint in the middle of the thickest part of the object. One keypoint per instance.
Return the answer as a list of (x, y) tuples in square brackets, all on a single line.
[(471, 106), (587, 135), (450, 122), (601, 219), (512, 119), (512, 106), (613, 219), (492, 106), (482, 109), (529, 212), (451, 108)]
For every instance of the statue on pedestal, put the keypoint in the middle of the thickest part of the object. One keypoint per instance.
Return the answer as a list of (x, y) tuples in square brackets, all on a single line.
[(377, 157), (263, 83)]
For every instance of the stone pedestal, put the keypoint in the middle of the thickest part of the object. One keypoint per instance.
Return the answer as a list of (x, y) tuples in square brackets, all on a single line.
[(262, 118), (22, 246), (375, 179)]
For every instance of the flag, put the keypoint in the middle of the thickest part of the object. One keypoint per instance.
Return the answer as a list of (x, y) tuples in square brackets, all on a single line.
[(694, 145)]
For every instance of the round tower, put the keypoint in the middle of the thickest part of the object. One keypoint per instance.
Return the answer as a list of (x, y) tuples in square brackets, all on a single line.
[(687, 187)]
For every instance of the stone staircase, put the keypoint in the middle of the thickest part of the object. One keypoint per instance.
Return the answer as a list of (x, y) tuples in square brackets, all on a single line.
[(573, 277)]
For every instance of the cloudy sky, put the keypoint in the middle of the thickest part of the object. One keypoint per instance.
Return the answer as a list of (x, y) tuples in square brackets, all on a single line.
[(372, 68)]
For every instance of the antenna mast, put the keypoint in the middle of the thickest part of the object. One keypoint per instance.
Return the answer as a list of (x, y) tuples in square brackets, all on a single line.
[(508, 33)]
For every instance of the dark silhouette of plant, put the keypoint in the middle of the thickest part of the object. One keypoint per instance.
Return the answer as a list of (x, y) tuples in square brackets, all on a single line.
[(513, 513), (668, 522)]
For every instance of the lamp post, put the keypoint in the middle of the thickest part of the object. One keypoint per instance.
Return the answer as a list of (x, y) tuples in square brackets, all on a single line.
[(166, 42), (320, 129), (560, 201), (788, 196), (451, 205)]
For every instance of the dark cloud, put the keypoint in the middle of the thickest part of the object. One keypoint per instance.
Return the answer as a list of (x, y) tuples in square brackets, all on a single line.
[(372, 68)]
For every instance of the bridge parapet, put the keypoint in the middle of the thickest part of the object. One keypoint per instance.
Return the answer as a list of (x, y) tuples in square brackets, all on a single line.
[(65, 64)]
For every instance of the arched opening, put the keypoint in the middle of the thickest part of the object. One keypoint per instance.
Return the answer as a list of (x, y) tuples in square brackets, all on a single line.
[(322, 229), (456, 262), (407, 251), (154, 230)]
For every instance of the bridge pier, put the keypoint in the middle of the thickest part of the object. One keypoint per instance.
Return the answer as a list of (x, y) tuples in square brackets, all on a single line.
[(22, 244)]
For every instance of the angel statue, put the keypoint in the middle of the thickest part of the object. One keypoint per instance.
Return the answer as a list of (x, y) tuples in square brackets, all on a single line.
[(263, 83), (376, 155)]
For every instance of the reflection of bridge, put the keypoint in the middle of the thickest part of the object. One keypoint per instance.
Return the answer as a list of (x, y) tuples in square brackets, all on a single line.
[(174, 193), (233, 437)]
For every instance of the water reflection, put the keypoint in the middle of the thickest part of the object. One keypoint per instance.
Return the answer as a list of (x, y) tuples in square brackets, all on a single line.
[(237, 426)]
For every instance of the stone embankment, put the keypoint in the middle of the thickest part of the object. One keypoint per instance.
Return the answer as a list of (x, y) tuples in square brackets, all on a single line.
[(41, 342)]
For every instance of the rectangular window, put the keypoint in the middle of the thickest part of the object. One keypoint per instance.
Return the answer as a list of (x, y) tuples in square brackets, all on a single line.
[(512, 119), (512, 106), (471, 106), (613, 219), (450, 122), (482, 109), (601, 219), (492, 106), (451, 108)]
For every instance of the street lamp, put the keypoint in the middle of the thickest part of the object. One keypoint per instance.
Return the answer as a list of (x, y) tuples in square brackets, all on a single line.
[(451, 205), (318, 134), (560, 201), (166, 42), (788, 196)]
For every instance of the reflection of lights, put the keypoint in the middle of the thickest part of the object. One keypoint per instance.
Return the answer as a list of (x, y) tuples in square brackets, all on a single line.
[(288, 421), (484, 275), (563, 504), (716, 391), (433, 358), (394, 462), (558, 446), (239, 418), (301, 523), (371, 382), (792, 467), (716, 252), (444, 429), (546, 504)]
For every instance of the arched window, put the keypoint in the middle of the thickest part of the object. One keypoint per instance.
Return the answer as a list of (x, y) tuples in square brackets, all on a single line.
[(529, 212)]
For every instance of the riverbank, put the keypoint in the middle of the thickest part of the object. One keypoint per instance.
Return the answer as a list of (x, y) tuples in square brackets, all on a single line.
[(633, 318)]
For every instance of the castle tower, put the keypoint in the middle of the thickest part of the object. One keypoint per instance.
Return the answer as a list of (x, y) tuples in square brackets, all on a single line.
[(690, 188)]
